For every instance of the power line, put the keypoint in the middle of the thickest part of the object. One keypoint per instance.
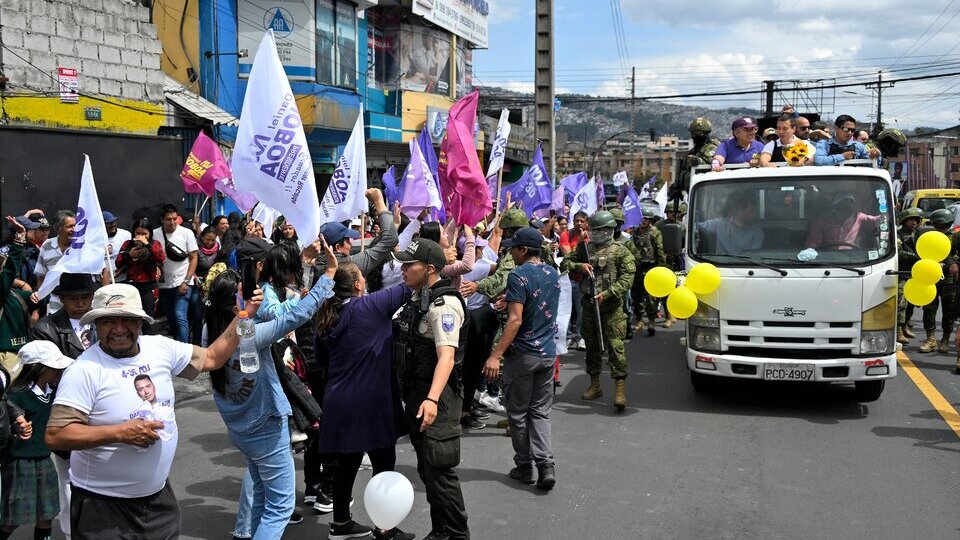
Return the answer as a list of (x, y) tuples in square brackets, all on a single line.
[(911, 47)]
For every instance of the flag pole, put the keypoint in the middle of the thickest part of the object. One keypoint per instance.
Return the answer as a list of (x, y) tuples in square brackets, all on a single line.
[(106, 251), (363, 228), (499, 189), (205, 201)]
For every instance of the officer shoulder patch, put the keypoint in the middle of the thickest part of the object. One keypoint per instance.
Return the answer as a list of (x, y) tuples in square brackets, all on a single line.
[(438, 301), (446, 322)]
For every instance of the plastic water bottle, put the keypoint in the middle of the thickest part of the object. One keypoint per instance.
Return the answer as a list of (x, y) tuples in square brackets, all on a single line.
[(249, 357)]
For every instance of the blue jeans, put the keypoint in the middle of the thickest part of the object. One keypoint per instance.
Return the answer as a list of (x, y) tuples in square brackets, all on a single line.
[(273, 478), (244, 528), (175, 307), (573, 330)]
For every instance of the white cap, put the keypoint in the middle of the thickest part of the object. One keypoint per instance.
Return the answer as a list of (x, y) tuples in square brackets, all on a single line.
[(44, 352), (116, 300), (356, 222)]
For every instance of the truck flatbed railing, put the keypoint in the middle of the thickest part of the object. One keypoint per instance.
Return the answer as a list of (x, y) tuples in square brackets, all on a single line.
[(871, 163)]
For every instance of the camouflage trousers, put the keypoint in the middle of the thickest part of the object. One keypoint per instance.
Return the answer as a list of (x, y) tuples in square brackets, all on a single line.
[(904, 308), (614, 330), (947, 299), (643, 303)]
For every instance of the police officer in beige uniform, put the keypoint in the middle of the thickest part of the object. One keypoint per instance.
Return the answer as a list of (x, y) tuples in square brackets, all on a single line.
[(430, 335)]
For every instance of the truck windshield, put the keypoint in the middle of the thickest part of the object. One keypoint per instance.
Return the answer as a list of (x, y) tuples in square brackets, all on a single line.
[(822, 220)]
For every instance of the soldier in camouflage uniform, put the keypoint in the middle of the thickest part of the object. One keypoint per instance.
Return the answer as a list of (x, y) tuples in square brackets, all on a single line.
[(704, 147), (649, 248), (946, 291), (674, 262), (612, 267), (492, 286), (906, 256), (624, 240)]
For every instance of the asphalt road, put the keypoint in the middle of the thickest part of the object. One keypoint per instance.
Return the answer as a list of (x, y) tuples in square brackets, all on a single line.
[(752, 461)]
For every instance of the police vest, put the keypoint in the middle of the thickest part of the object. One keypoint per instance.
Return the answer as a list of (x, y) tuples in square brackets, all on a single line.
[(415, 355)]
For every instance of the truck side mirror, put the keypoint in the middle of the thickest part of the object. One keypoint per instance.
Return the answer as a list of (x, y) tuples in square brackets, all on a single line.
[(672, 238)]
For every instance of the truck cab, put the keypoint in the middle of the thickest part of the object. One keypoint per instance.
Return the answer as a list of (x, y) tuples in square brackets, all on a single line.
[(808, 290)]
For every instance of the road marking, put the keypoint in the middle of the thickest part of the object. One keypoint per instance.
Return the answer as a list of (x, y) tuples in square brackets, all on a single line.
[(940, 403)]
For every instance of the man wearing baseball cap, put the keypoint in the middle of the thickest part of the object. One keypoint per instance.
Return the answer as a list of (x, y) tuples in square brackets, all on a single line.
[(429, 342), (376, 253), (742, 147), (119, 466), (115, 237)]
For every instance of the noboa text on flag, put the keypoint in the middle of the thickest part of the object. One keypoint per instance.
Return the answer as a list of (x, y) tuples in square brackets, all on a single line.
[(88, 245), (498, 152), (346, 195), (584, 201), (271, 159)]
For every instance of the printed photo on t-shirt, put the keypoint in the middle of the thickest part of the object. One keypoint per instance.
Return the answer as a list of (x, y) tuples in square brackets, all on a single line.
[(151, 407)]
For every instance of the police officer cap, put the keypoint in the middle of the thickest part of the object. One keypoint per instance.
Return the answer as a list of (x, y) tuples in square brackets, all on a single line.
[(907, 214), (700, 125), (513, 218), (893, 134), (617, 215), (422, 250), (941, 217), (602, 220)]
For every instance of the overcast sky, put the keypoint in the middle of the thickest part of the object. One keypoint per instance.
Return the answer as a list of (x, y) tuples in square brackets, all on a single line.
[(688, 46)]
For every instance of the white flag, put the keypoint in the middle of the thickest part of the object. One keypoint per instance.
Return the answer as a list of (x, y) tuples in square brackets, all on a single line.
[(267, 217), (271, 159), (620, 179), (499, 144), (584, 201), (662, 200), (89, 242), (345, 198)]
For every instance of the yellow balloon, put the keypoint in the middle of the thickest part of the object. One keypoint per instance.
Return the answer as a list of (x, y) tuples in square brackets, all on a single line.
[(703, 278), (933, 245), (927, 271), (682, 302), (659, 281), (919, 294)]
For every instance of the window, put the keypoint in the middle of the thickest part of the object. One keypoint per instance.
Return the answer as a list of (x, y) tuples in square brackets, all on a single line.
[(955, 150), (337, 43), (955, 167)]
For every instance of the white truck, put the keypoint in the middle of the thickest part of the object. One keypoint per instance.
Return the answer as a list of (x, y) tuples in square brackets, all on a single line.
[(808, 259)]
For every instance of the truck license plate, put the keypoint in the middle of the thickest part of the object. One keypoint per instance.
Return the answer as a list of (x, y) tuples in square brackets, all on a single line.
[(788, 372)]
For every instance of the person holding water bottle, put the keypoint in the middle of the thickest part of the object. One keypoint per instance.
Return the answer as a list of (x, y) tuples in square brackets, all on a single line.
[(248, 394)]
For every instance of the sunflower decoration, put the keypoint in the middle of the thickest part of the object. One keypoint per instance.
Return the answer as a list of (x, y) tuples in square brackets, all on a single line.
[(796, 154)]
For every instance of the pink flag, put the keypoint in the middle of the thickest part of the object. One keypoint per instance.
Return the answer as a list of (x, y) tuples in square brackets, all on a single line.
[(467, 196), (244, 201), (205, 165)]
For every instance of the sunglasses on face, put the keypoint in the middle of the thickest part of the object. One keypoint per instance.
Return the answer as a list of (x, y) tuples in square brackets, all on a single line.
[(849, 130)]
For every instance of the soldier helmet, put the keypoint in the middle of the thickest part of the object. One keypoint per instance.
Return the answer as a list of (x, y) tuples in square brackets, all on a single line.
[(602, 220), (617, 215), (700, 125), (683, 208), (894, 134), (941, 217), (907, 214), (514, 218), (648, 213)]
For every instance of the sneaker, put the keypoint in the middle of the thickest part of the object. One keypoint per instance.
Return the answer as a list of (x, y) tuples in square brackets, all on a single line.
[(581, 345), (323, 504), (477, 394), (523, 474), (365, 464), (480, 415), (350, 529), (491, 403), (547, 478), (310, 495), (472, 424), (295, 518), (393, 534)]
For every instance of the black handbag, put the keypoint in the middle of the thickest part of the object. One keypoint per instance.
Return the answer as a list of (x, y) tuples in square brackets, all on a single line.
[(174, 253)]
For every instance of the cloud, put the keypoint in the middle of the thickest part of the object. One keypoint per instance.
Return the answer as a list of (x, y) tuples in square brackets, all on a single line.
[(502, 11)]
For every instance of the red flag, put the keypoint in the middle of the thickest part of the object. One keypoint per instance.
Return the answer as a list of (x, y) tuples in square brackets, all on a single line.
[(462, 182), (205, 165)]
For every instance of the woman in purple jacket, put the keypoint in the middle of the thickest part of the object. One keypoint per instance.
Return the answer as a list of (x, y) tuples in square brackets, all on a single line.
[(361, 405)]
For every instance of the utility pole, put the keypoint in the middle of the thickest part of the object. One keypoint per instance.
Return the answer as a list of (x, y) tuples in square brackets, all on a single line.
[(768, 109), (633, 122), (543, 84), (880, 85)]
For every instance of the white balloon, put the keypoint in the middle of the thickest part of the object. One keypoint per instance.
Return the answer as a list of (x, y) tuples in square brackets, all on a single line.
[(388, 499)]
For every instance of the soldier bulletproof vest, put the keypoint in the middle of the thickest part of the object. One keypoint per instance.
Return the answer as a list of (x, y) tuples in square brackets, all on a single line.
[(415, 355), (646, 252)]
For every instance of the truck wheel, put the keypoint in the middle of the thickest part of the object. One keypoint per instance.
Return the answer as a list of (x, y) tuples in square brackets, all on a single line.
[(868, 390), (703, 384)]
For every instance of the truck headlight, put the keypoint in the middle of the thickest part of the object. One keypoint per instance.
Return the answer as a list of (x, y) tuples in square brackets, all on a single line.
[(704, 328), (877, 326)]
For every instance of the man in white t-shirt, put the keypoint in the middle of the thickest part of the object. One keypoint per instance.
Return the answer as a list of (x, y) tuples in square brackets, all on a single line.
[(115, 238), (773, 151), (177, 288), (120, 456)]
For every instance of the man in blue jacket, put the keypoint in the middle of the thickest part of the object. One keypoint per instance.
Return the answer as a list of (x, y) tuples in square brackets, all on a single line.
[(843, 145)]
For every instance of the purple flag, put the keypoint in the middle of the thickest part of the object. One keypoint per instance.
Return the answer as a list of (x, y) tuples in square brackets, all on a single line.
[(632, 213), (573, 184), (390, 191), (601, 193), (418, 190), (244, 201), (533, 189), (557, 204), (622, 194), (492, 186), (430, 156)]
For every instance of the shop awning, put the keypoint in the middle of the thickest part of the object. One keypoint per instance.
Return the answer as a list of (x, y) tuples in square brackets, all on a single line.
[(182, 97)]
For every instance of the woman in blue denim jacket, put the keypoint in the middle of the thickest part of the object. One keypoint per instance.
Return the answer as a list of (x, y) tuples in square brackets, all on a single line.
[(253, 405)]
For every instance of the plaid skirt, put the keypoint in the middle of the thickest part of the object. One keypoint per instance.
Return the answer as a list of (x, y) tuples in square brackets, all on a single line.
[(30, 492)]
